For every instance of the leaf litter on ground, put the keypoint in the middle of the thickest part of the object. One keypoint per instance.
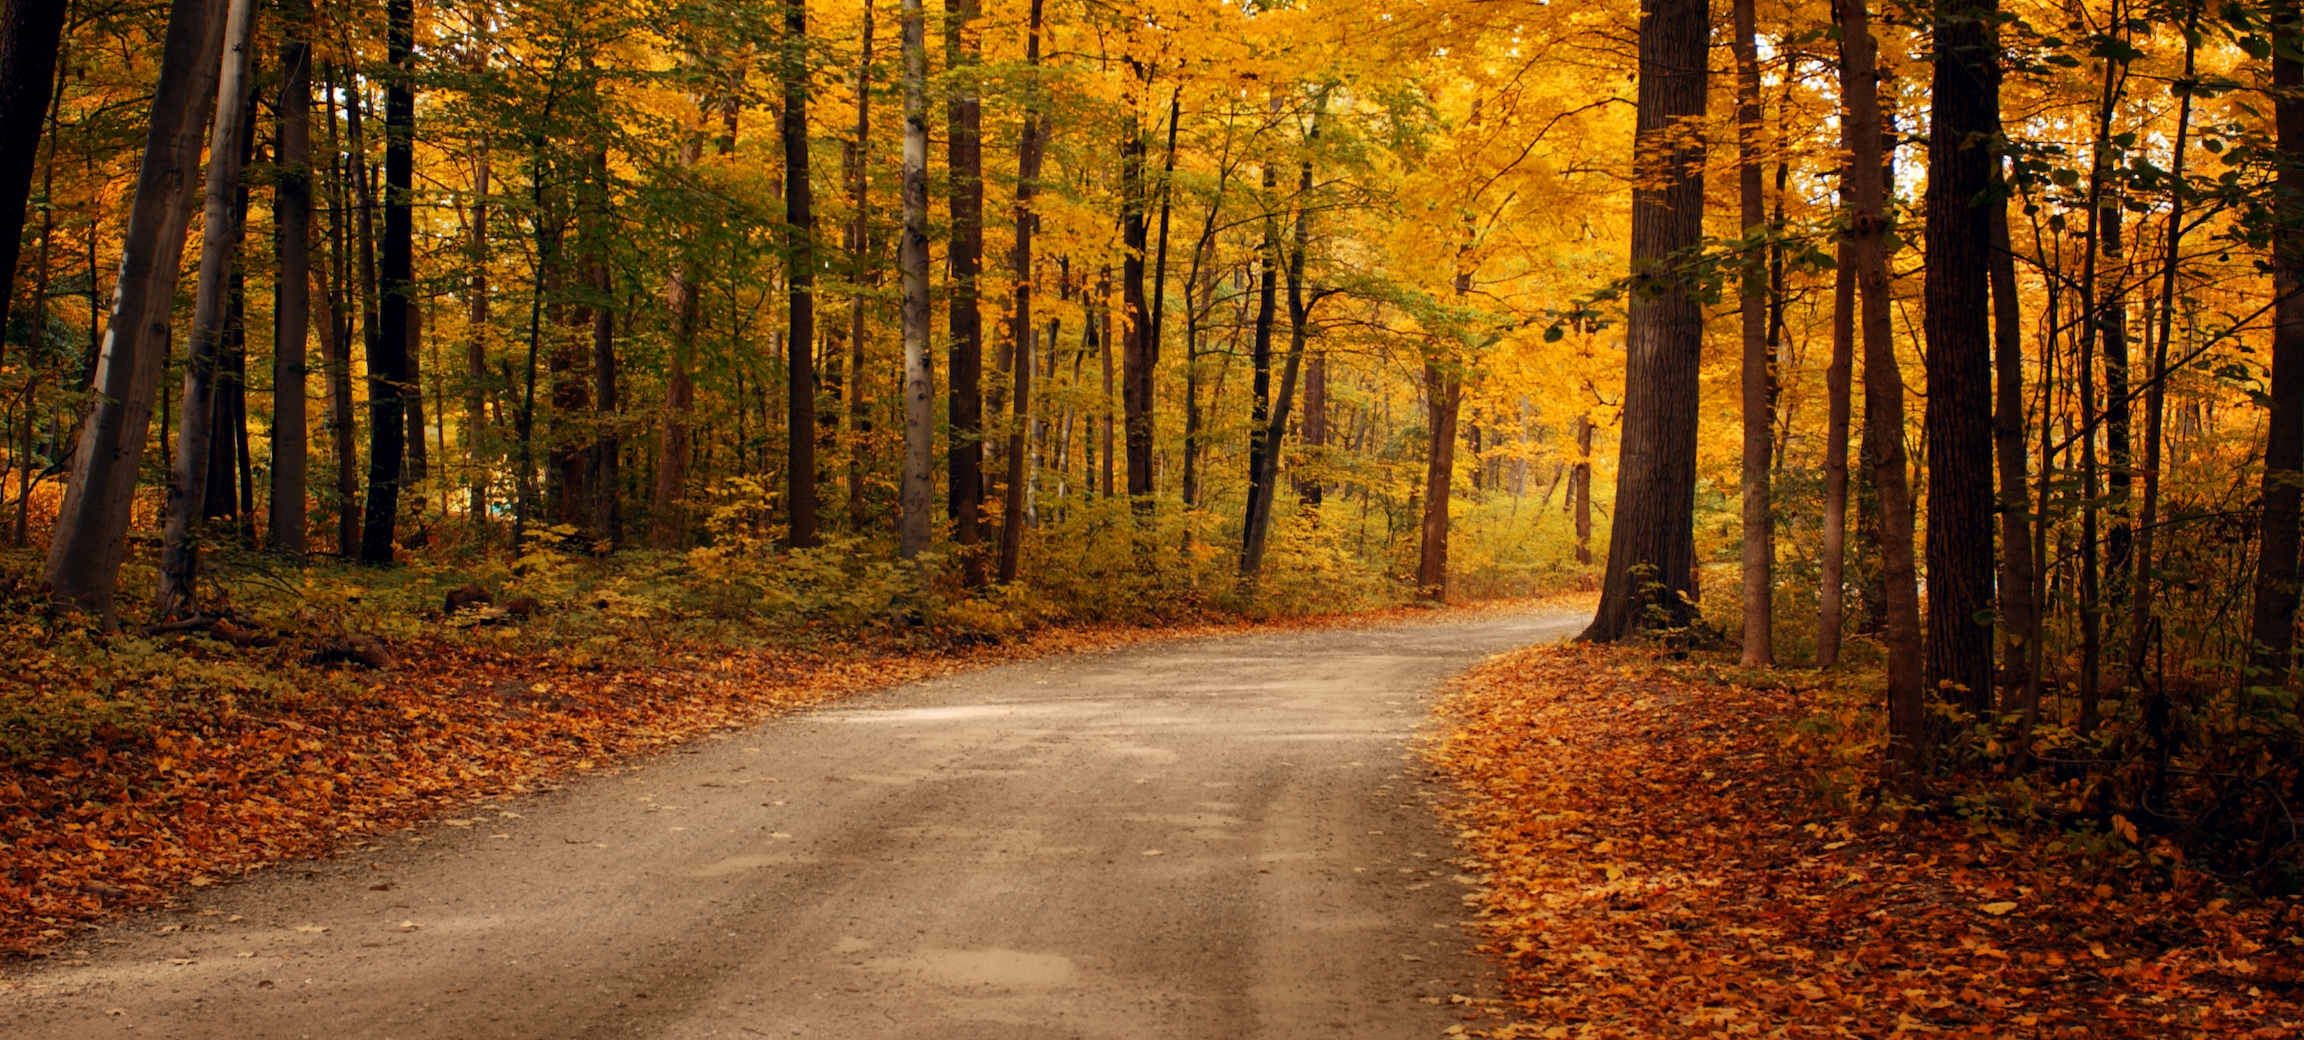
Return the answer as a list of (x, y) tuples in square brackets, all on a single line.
[(1652, 865)]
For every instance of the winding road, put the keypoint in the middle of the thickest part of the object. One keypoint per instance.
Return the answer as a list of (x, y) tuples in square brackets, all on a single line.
[(1200, 838)]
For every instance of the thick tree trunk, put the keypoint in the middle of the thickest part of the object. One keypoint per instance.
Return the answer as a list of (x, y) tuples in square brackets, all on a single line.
[(292, 289), (1759, 571), (1651, 543), (799, 285), (83, 566), (219, 245), (30, 32), (1013, 509), (388, 376), (1964, 115), (915, 492), (964, 152), (2272, 626)]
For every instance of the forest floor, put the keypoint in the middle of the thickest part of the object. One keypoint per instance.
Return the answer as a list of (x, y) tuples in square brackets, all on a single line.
[(1658, 863), (1219, 836)]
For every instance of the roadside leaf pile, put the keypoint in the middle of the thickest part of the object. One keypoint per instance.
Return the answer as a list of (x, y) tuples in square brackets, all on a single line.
[(1654, 869)]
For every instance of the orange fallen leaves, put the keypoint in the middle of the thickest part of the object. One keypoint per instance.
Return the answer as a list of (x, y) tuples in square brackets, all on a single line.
[(1653, 870)]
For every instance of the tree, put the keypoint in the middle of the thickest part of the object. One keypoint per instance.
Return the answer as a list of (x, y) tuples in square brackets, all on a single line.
[(1020, 314), (1651, 540), (220, 241), (912, 264), (965, 160), (1759, 361), (388, 381), (292, 302), (83, 567), (2272, 622), (29, 34), (799, 283)]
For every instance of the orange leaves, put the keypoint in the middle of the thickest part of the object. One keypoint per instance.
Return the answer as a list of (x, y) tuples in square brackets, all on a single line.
[(1653, 869)]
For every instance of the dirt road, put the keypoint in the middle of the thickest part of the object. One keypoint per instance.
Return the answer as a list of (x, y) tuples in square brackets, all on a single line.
[(1206, 838)]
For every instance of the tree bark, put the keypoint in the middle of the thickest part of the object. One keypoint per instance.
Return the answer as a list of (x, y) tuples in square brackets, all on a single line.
[(83, 566), (607, 443), (292, 288), (1651, 543), (388, 375), (1759, 412), (2155, 400), (2019, 597), (1580, 489), (1831, 583), (964, 450), (1137, 351), (219, 244), (1260, 382), (2272, 624), (30, 33), (336, 351), (1264, 454), (1443, 393), (1012, 512), (799, 285), (667, 517), (915, 492)]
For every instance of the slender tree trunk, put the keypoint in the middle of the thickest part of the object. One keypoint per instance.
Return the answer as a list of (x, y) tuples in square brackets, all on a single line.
[(40, 291), (388, 372), (1651, 543), (30, 33), (336, 352), (292, 288), (2272, 626), (83, 566), (2019, 597), (2155, 400), (1138, 354), (1264, 483), (476, 342), (1759, 414), (1013, 510), (2091, 590), (412, 391), (1105, 351), (915, 492), (1315, 427), (964, 450), (859, 255), (1580, 489), (1883, 391), (2112, 289), (799, 285), (607, 443), (1260, 381), (1831, 584), (1151, 346)]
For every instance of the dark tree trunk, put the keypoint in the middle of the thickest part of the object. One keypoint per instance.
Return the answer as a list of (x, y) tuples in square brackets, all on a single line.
[(2112, 293), (915, 493), (30, 31), (1580, 489), (607, 445), (1264, 453), (1831, 584), (2155, 401), (1443, 393), (799, 285), (476, 341), (1260, 380), (2272, 628), (1137, 351), (2019, 598), (336, 350), (859, 255), (388, 366), (1759, 564), (1012, 513), (292, 288), (83, 566), (1964, 115), (1651, 542), (965, 157)]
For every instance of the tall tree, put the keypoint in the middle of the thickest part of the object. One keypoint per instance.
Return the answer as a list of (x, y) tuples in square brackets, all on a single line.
[(83, 567), (292, 288), (1651, 541), (2272, 624), (1759, 413), (859, 255), (30, 32), (914, 492), (1831, 583), (219, 245), (965, 160), (1138, 353), (1020, 310), (799, 283), (388, 378)]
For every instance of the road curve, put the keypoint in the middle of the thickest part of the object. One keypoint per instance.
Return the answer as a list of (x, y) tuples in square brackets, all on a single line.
[(1201, 838)]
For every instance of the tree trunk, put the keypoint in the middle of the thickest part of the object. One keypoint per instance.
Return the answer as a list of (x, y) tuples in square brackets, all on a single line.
[(1580, 489), (30, 32), (2272, 626), (1260, 382), (1651, 542), (607, 444), (388, 376), (1831, 584), (1883, 391), (83, 566), (1138, 353), (2112, 290), (1012, 512), (292, 289), (336, 351), (1315, 427), (799, 285), (1151, 345), (412, 391), (915, 491), (2019, 597), (1443, 393), (667, 519), (1264, 482), (2155, 401), (1759, 412), (964, 450), (859, 254)]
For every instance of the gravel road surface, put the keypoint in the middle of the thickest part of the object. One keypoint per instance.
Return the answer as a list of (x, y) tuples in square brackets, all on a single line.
[(1223, 837)]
